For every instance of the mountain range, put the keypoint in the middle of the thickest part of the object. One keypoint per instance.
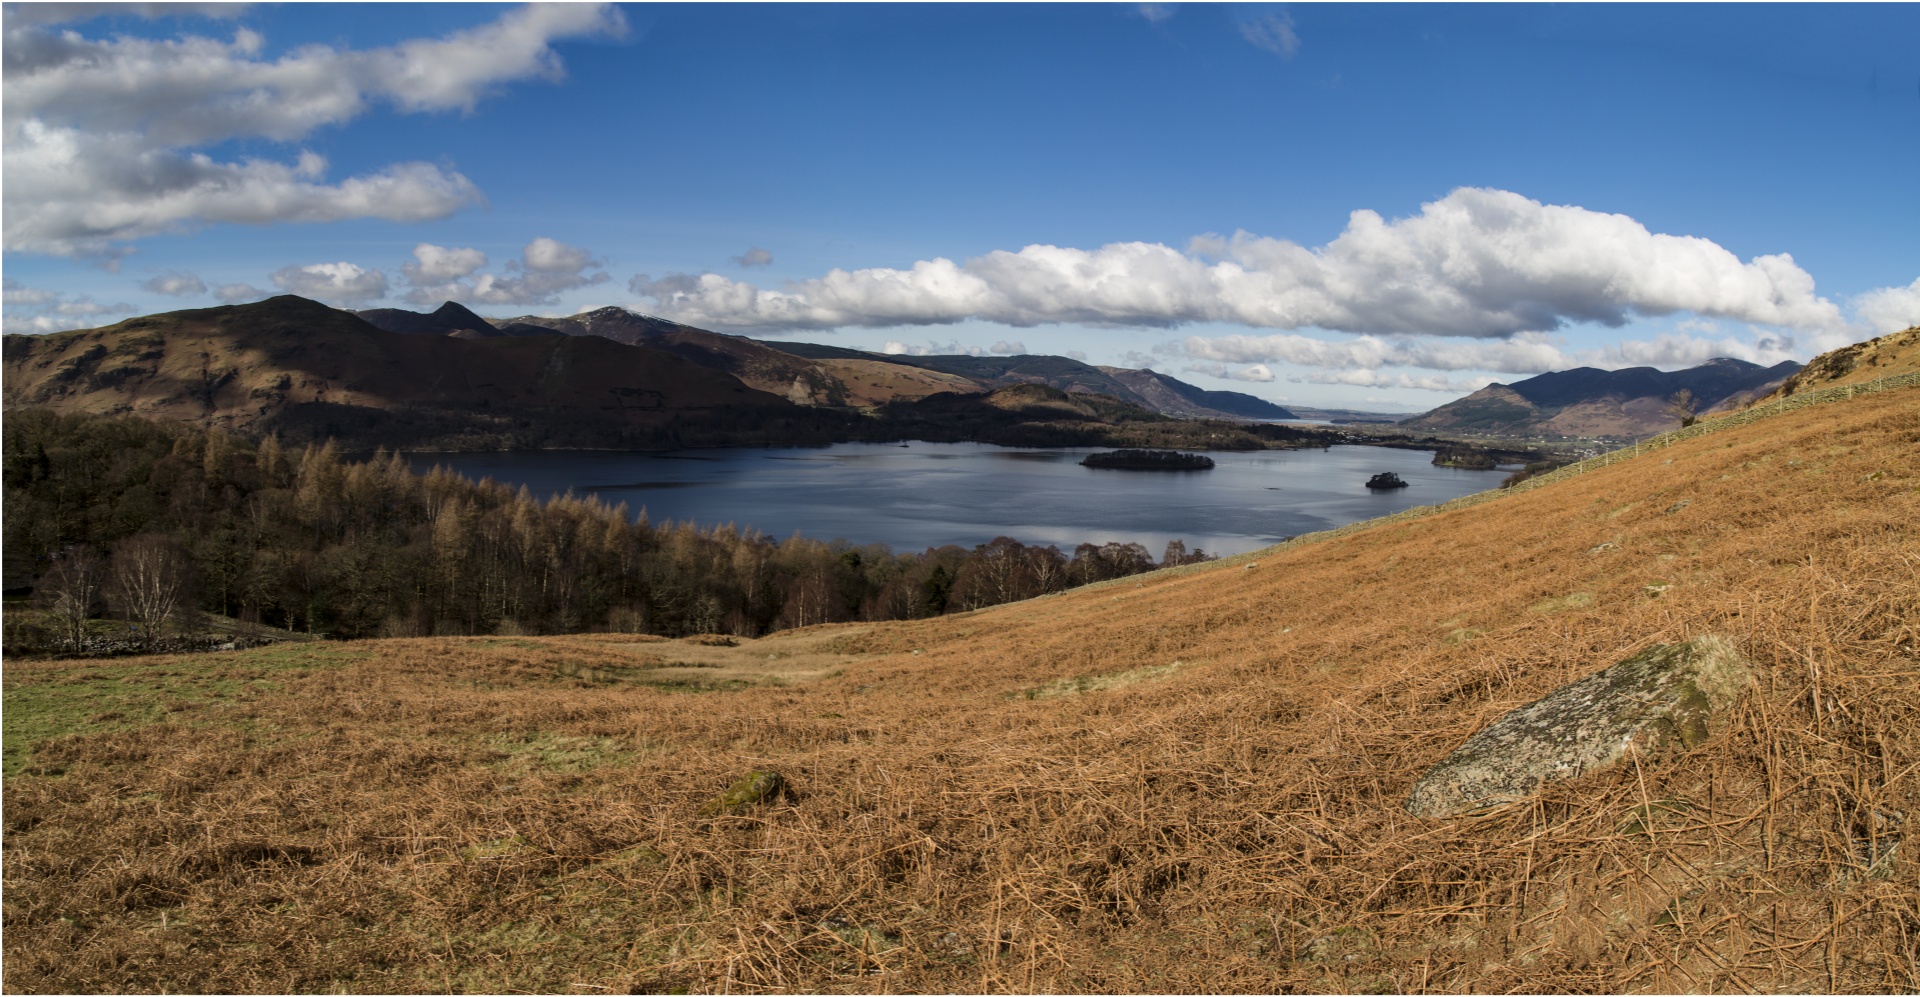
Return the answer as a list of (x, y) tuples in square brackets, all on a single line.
[(449, 379), (611, 377), (821, 375), (298, 367), (1590, 402)]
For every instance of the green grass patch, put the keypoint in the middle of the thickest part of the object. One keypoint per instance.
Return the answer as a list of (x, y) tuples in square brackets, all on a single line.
[(107, 695), (1083, 684), (1577, 600), (563, 753)]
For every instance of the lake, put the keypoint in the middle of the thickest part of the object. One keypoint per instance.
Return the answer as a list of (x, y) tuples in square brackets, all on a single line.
[(928, 494)]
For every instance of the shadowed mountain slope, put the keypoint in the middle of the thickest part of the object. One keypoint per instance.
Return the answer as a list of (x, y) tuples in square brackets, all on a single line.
[(856, 383), (1148, 389), (1587, 401), (450, 319), (1190, 781), (1172, 396), (306, 370)]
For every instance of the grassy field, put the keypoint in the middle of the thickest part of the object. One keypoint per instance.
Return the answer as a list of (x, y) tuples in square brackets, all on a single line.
[(1190, 782)]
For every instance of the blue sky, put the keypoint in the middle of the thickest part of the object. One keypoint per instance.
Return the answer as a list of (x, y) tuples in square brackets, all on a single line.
[(1373, 206)]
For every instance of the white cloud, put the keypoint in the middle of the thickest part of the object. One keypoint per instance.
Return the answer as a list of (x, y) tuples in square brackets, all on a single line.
[(1005, 348), (1076, 355), (38, 310), (334, 283), (176, 283), (233, 294), (100, 134), (1156, 13), (1476, 263), (546, 269), (754, 257), (1890, 309), (1259, 373), (950, 348), (1376, 379), (1528, 353), (20, 14), (1273, 32), (438, 264), (17, 293)]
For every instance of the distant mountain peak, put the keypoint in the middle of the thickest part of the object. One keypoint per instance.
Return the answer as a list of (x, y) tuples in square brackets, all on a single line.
[(1590, 402)]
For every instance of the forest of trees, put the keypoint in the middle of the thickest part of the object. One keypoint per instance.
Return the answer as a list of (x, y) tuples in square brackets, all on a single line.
[(148, 522)]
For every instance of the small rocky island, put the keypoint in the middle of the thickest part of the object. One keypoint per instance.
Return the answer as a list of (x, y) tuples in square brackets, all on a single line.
[(1386, 479), (1149, 460)]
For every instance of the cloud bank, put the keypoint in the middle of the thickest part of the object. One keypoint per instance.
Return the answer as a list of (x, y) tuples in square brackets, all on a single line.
[(37, 310), (100, 133), (1477, 263), (1890, 309), (546, 269), (333, 283)]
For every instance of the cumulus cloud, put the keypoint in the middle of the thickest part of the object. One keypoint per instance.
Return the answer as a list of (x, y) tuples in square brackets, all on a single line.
[(176, 283), (1005, 348), (39, 310), (1523, 354), (1528, 353), (17, 293), (233, 294), (1890, 309), (334, 283), (100, 134), (1076, 355), (950, 348), (545, 269), (1476, 263), (1377, 379), (19, 14), (438, 264), (897, 348), (1259, 373), (755, 257), (1272, 32)]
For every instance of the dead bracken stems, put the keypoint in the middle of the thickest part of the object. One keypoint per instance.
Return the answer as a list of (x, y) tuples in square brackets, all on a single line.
[(495, 814)]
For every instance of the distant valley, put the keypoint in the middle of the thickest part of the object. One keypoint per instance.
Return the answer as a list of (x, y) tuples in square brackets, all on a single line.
[(611, 378), (1587, 402)]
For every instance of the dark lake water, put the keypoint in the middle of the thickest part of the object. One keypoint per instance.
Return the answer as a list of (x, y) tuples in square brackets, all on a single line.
[(928, 494)]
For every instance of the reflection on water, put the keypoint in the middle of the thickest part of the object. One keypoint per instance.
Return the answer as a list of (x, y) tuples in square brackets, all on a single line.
[(931, 494)]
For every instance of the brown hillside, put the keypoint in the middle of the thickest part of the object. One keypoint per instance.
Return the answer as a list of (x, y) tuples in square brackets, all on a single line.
[(1184, 782), (265, 364), (803, 381), (1886, 356)]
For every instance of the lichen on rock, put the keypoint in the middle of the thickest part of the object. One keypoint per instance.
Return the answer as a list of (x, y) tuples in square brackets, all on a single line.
[(1663, 698), (754, 787)]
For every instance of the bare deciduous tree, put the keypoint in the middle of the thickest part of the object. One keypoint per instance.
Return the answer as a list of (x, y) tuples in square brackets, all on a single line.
[(72, 591), (1684, 407), (150, 580)]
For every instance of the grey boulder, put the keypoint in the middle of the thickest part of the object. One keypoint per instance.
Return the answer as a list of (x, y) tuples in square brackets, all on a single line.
[(1663, 698)]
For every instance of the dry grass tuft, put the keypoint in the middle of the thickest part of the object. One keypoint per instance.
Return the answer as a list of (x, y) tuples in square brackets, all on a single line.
[(466, 814)]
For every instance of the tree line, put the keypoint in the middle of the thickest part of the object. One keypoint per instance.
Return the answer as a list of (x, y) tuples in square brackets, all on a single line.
[(150, 522)]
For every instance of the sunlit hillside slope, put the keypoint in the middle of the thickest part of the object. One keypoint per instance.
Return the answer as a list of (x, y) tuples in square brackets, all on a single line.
[(1192, 782), (1888, 356)]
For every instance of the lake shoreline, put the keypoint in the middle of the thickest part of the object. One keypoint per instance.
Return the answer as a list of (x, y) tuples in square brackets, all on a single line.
[(930, 494)]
